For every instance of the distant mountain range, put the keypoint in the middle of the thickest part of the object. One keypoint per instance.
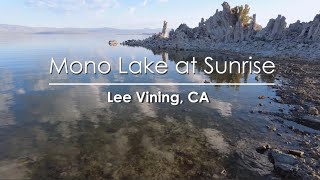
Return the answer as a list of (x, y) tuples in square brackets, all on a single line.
[(4, 28)]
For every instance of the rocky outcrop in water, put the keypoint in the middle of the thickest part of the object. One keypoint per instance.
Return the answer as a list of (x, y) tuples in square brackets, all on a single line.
[(233, 30)]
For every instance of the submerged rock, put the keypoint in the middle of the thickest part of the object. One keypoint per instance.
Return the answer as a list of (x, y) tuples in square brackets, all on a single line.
[(284, 164)]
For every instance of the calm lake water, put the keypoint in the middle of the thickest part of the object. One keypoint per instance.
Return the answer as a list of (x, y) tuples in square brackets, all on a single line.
[(73, 133)]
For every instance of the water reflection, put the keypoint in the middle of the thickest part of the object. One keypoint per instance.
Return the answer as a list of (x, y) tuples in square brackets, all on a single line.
[(73, 133), (148, 149), (6, 99), (235, 77)]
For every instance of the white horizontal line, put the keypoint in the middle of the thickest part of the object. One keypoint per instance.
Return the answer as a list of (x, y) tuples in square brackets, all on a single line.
[(161, 84)]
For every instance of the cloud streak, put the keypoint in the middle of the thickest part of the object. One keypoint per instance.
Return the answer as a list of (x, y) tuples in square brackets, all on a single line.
[(94, 6), (64, 6)]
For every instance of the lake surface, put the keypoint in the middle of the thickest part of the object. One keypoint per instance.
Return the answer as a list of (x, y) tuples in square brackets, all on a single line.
[(73, 133)]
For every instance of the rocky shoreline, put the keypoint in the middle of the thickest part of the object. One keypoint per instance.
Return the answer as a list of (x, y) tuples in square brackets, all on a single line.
[(299, 89), (293, 151), (227, 31)]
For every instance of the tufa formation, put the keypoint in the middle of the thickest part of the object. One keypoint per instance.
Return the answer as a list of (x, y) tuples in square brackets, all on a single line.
[(234, 30)]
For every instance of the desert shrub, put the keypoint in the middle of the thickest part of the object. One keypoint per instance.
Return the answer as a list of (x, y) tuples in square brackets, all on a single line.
[(242, 13)]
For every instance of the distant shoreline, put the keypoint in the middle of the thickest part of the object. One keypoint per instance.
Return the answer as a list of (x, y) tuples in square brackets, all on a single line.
[(15, 29), (75, 33)]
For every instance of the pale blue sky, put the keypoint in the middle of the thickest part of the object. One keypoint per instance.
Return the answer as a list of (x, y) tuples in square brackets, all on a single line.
[(141, 13)]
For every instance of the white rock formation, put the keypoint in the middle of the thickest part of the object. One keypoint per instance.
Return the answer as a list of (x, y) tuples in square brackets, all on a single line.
[(164, 33)]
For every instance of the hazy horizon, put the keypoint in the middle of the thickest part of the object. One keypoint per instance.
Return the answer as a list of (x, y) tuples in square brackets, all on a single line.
[(139, 14), (103, 27)]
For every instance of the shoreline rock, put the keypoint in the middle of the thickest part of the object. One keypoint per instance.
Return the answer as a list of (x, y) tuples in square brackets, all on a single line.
[(296, 153)]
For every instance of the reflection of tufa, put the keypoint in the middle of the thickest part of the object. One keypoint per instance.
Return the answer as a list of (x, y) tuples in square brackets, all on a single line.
[(165, 56), (257, 78)]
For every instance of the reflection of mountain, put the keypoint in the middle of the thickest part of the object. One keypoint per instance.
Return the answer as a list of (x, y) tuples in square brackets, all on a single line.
[(187, 56), (46, 30)]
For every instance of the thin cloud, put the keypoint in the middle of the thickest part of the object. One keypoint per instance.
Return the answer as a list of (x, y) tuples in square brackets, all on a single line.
[(132, 10), (145, 2), (73, 5), (163, 1)]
